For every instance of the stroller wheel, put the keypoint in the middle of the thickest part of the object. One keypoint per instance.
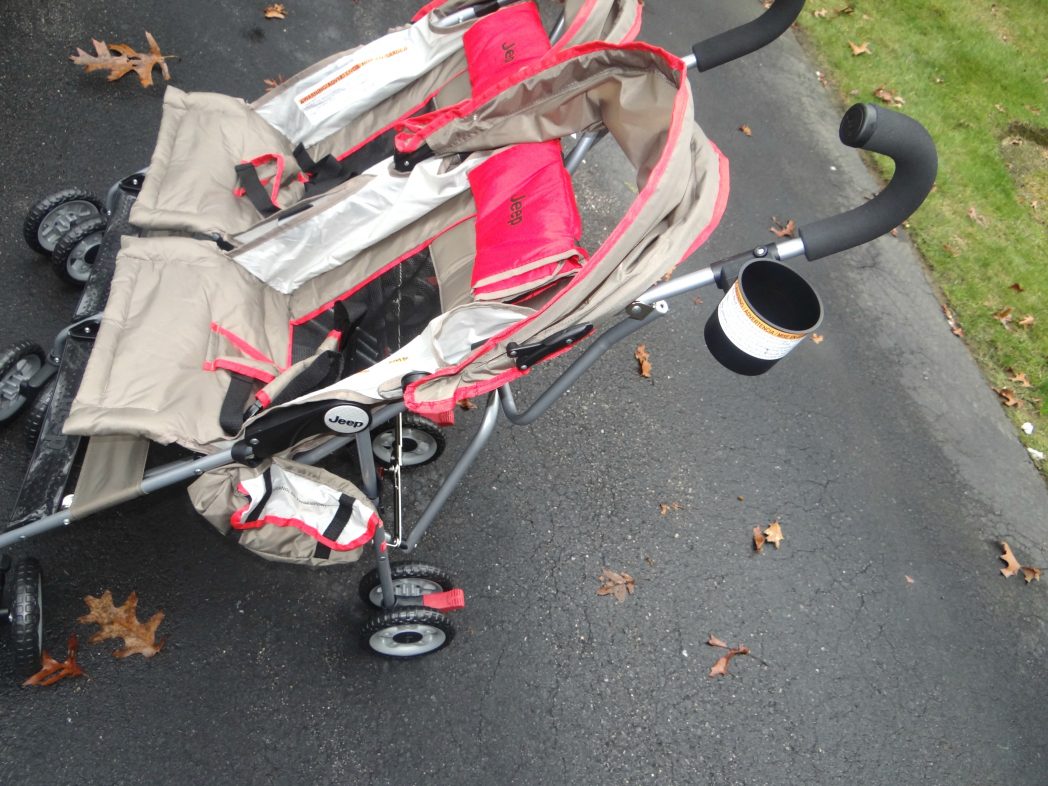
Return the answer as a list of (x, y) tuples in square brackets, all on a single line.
[(18, 364), (34, 418), (55, 214), (74, 254), (424, 442), (27, 616), (410, 580), (408, 633)]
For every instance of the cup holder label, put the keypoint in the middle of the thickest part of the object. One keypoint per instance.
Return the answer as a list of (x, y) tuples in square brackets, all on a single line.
[(749, 332)]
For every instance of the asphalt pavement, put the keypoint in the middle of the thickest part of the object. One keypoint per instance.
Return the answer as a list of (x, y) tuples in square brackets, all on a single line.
[(889, 649)]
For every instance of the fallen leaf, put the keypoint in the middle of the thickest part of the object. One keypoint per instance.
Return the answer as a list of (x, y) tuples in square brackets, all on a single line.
[(467, 404), (1000, 108), (649, 561), (1017, 287), (1027, 321), (272, 83), (745, 129), (758, 539), (741, 498), (697, 300), (1021, 379), (617, 584), (52, 670), (124, 61), (975, 216), (1008, 396), (816, 338), (1004, 316), (713, 641), (1031, 574), (888, 97), (275, 11), (820, 13), (665, 507), (720, 668), (789, 229), (954, 327), (643, 361), (909, 579), (774, 533), (859, 49), (121, 622), (1011, 563)]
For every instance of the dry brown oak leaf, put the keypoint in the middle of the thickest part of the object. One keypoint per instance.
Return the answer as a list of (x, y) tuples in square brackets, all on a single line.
[(773, 533), (124, 61), (121, 622), (1010, 562), (643, 361), (720, 668), (53, 671), (617, 584)]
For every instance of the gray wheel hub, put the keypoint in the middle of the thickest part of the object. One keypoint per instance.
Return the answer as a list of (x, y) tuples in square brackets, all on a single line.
[(82, 257), (419, 446), (407, 640), (61, 220), (11, 397)]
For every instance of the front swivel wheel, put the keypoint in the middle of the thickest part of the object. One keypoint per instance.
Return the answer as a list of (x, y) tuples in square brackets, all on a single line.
[(408, 633)]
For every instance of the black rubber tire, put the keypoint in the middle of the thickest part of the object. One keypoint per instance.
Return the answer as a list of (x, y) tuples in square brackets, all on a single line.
[(405, 572), (27, 617), (425, 429), (34, 417), (433, 630), (75, 252), (12, 374), (38, 213)]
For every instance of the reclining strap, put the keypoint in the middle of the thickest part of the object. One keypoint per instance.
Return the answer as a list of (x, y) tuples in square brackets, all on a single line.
[(254, 190), (323, 371), (231, 416), (323, 174)]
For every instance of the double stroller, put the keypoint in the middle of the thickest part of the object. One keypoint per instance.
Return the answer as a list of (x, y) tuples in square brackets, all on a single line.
[(389, 233)]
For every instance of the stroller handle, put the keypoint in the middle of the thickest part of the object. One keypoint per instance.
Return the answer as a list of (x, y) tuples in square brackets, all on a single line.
[(747, 38), (906, 141)]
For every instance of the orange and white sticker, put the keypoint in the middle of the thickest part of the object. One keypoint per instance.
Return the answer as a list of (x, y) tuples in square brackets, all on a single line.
[(749, 332), (360, 74)]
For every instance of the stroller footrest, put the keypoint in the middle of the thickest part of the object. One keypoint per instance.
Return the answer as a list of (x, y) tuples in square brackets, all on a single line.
[(451, 600)]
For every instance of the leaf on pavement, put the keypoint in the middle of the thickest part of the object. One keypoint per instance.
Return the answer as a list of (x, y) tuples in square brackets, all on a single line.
[(643, 361), (466, 404), (817, 338), (617, 584), (859, 49), (745, 129), (773, 533), (53, 671), (713, 641), (1011, 564), (272, 83), (121, 59), (121, 622), (789, 229), (275, 11), (720, 668), (666, 507), (1031, 574), (758, 539)]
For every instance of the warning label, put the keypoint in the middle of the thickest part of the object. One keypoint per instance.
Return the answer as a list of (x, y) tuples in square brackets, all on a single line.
[(749, 332)]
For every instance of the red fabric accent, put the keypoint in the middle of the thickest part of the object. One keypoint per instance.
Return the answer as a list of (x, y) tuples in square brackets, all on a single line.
[(446, 418), (431, 409), (240, 344), (719, 206), (239, 368), (416, 130), (450, 600), (525, 211), (499, 44), (427, 8), (236, 520), (277, 179), (263, 398), (634, 31), (350, 292)]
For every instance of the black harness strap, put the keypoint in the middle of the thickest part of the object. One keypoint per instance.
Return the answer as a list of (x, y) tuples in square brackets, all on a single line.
[(323, 371), (336, 527), (254, 190), (231, 416)]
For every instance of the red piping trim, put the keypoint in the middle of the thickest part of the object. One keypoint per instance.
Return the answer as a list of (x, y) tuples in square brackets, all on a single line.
[(576, 23), (427, 8), (240, 344), (263, 398), (723, 191), (349, 292), (239, 368), (356, 543), (634, 31)]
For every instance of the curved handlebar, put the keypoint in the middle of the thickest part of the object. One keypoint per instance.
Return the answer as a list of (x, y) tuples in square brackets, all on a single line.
[(748, 37), (902, 138)]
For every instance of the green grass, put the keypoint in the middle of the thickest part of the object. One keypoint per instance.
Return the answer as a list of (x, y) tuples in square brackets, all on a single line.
[(976, 75)]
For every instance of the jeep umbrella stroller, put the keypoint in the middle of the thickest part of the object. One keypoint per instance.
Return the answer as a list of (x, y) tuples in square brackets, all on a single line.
[(265, 376)]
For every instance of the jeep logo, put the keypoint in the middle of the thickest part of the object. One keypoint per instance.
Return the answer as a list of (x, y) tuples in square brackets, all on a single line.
[(516, 209), (508, 53), (347, 419)]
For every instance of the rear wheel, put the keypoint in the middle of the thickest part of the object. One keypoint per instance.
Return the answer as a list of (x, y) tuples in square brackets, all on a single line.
[(424, 442), (56, 214), (74, 254), (18, 363), (27, 617), (410, 580)]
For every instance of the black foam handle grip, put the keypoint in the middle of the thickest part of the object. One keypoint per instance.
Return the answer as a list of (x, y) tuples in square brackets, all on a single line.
[(748, 37), (902, 138)]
